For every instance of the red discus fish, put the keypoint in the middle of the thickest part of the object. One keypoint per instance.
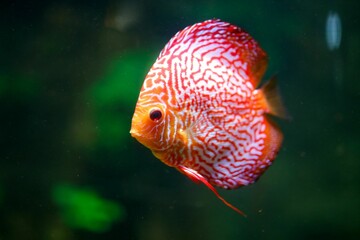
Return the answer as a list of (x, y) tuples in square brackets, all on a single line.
[(200, 111)]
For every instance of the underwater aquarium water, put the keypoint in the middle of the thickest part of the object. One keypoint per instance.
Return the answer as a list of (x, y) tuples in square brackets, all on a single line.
[(70, 76)]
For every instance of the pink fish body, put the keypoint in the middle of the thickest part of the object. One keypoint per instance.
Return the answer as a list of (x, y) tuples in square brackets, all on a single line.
[(200, 111)]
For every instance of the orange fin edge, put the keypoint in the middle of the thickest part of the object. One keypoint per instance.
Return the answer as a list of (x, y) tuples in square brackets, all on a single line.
[(197, 177), (273, 99)]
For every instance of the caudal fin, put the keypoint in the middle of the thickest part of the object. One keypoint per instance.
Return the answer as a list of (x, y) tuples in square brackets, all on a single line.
[(273, 99)]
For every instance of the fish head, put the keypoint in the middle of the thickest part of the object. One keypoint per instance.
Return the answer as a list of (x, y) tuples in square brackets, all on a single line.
[(149, 125)]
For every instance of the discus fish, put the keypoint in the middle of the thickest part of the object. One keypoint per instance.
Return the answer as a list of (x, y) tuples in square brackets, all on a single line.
[(200, 111)]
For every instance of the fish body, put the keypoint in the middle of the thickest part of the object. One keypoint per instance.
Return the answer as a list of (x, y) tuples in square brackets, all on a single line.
[(200, 108)]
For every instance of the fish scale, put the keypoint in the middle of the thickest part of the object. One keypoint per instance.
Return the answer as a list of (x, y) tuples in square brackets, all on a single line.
[(213, 122)]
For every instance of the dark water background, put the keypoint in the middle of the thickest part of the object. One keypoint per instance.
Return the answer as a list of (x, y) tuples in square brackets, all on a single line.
[(70, 74)]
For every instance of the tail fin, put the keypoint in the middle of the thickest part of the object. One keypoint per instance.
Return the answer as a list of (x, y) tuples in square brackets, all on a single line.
[(273, 99)]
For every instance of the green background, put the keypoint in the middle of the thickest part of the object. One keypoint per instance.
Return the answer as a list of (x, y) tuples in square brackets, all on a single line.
[(70, 75)]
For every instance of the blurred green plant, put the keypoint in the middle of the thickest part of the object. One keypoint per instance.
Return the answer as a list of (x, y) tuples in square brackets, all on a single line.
[(113, 97), (123, 78), (85, 209)]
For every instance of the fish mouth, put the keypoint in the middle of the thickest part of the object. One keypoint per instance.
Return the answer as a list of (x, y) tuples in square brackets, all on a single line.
[(137, 135), (135, 130), (149, 143), (134, 133)]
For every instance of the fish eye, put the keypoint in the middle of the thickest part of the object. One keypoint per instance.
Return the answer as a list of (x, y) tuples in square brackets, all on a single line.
[(155, 114)]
